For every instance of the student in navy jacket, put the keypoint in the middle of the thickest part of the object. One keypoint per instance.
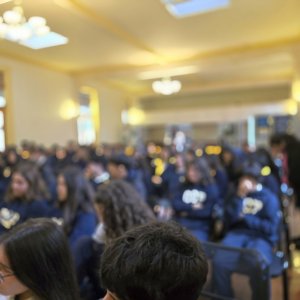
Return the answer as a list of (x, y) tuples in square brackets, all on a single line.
[(119, 207), (195, 200), (75, 204), (122, 167), (26, 197), (252, 216)]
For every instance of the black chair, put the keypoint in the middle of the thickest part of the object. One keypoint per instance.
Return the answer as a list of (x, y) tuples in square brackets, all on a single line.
[(247, 263), (279, 267)]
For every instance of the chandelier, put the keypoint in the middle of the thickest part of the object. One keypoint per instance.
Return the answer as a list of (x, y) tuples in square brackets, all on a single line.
[(166, 86), (15, 27)]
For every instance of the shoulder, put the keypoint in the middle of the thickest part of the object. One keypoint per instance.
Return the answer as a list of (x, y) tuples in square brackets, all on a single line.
[(86, 216)]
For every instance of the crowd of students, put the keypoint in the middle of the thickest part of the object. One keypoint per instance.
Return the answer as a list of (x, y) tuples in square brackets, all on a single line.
[(96, 194)]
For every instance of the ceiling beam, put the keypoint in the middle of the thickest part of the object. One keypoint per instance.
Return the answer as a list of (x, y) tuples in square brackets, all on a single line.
[(198, 57), (113, 28)]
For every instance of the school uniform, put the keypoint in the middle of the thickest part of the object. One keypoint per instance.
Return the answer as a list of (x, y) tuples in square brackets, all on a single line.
[(84, 224), (18, 210), (252, 222), (193, 205)]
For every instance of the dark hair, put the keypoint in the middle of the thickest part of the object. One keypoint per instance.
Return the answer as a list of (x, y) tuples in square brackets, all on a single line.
[(37, 189), (264, 157), (251, 169), (39, 257), (123, 208), (157, 261), (79, 196), (202, 167), (121, 159)]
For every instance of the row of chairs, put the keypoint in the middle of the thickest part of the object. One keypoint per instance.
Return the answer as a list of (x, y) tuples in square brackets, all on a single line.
[(250, 263)]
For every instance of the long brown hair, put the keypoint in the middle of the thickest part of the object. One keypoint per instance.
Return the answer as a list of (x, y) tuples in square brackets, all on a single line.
[(37, 189)]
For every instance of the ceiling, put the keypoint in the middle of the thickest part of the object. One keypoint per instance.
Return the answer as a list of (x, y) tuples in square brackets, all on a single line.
[(129, 43)]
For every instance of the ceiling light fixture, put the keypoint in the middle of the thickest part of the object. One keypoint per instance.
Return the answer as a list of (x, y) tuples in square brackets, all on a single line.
[(166, 86), (14, 27)]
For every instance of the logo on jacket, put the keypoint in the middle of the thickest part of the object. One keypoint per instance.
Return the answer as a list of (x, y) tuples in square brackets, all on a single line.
[(252, 206), (58, 221), (194, 197), (8, 218)]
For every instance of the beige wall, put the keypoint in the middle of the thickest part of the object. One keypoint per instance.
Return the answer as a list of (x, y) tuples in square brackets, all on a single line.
[(111, 102), (35, 96)]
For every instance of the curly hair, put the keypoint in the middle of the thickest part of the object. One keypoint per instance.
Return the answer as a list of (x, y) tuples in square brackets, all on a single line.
[(123, 208)]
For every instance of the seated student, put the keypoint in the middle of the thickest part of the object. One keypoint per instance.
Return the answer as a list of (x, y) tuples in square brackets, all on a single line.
[(35, 263), (156, 261), (25, 198), (252, 218), (75, 208), (119, 207), (195, 200), (121, 167)]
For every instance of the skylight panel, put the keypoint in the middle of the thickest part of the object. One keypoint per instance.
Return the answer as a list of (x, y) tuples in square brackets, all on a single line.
[(185, 8), (49, 40)]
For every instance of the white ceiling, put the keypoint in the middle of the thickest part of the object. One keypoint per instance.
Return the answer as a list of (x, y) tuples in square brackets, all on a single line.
[(252, 41)]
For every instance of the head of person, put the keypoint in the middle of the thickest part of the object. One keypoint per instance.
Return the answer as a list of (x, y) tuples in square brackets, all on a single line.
[(227, 155), (35, 259), (26, 183), (11, 156), (282, 142), (156, 261), (120, 207), (249, 178), (95, 167), (198, 171), (74, 194), (118, 166)]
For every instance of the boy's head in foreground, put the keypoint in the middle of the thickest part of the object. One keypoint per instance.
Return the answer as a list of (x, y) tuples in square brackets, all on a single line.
[(157, 261)]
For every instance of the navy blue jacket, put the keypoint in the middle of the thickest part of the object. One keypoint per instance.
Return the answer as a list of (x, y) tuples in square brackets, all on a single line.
[(84, 224), (18, 211), (194, 203), (256, 214)]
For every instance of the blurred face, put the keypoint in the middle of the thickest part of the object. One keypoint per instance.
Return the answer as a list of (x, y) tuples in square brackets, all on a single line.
[(9, 284), (19, 185), (193, 175), (246, 185), (12, 157), (227, 157), (116, 171), (62, 190), (277, 150)]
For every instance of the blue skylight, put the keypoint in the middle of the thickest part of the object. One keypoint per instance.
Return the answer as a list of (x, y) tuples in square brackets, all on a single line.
[(49, 40), (185, 8)]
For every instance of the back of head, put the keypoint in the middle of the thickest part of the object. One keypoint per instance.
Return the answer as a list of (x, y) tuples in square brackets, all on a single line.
[(251, 169), (122, 206), (39, 256), (121, 159), (157, 261)]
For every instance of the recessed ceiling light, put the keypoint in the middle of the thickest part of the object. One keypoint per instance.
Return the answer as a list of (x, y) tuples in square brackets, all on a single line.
[(51, 39), (185, 8)]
